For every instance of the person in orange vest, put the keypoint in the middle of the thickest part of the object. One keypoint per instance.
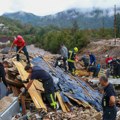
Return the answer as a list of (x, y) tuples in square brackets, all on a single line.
[(20, 44)]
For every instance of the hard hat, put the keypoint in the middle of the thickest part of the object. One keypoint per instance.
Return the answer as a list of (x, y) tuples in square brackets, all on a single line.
[(75, 49), (106, 56)]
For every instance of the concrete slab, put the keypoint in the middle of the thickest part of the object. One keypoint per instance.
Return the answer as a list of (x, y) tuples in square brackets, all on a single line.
[(3, 90)]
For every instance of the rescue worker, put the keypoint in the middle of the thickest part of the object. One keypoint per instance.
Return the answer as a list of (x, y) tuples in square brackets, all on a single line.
[(85, 61), (115, 66), (64, 56), (38, 73), (108, 100), (92, 58), (71, 60), (108, 60), (95, 70), (20, 44)]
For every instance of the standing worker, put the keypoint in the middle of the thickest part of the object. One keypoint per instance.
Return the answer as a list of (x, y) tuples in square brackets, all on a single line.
[(20, 46), (71, 60), (38, 73), (64, 56), (92, 58), (108, 100)]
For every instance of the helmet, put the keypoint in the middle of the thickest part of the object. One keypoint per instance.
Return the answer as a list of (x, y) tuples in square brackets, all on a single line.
[(19, 37), (106, 56), (75, 49)]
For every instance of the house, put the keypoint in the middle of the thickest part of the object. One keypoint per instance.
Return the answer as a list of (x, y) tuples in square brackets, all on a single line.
[(4, 40)]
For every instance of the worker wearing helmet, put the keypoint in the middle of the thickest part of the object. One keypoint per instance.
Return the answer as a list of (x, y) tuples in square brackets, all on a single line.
[(108, 60), (71, 59), (75, 49), (20, 44)]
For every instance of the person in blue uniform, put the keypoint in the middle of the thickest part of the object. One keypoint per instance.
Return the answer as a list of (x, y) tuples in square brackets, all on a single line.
[(108, 100), (41, 75), (92, 58)]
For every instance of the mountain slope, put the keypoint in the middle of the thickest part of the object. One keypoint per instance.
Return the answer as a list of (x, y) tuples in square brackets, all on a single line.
[(23, 17), (12, 25), (90, 19)]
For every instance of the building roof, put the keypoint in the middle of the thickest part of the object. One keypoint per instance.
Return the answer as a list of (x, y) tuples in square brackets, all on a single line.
[(4, 39)]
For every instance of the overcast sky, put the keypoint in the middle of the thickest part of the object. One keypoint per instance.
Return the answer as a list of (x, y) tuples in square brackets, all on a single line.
[(46, 7)]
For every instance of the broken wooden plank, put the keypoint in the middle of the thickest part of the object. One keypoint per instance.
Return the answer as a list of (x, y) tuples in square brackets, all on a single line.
[(77, 101), (37, 99), (61, 102), (84, 104), (38, 85)]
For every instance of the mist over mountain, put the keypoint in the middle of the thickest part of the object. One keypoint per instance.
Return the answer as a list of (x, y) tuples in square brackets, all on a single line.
[(84, 18)]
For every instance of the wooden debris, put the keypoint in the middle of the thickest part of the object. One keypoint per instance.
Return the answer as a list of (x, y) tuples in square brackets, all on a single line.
[(32, 91), (61, 102)]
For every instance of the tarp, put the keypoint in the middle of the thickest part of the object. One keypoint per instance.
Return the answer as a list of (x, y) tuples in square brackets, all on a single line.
[(76, 88)]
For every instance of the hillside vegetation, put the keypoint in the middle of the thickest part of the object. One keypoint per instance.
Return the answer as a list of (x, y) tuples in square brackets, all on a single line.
[(50, 37)]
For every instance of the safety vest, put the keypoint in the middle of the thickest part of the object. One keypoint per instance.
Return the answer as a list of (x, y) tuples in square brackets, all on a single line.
[(71, 56)]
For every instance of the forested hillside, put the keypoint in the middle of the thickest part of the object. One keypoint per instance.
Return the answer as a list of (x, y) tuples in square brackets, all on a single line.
[(50, 37), (86, 19)]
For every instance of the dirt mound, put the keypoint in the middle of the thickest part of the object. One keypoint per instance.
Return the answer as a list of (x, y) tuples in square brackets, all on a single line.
[(101, 48)]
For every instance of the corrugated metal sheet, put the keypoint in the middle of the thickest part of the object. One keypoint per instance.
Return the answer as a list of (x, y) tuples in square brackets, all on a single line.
[(11, 110)]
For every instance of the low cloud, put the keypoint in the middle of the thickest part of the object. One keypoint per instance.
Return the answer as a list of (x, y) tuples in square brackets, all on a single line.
[(45, 7)]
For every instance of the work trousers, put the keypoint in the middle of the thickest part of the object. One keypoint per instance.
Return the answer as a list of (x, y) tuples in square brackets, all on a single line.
[(25, 52), (71, 67), (116, 70), (51, 99), (109, 113)]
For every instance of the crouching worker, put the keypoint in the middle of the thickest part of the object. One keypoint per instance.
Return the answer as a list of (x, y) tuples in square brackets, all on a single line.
[(41, 75), (85, 61), (95, 70)]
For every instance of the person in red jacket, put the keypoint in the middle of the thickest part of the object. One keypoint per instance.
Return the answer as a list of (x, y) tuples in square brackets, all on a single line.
[(108, 60), (20, 44)]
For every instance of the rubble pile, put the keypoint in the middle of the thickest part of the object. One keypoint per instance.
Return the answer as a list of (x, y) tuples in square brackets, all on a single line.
[(70, 91), (76, 114)]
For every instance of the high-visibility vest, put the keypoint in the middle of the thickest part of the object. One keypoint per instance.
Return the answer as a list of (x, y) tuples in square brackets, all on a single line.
[(71, 56)]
